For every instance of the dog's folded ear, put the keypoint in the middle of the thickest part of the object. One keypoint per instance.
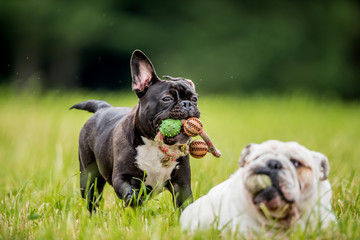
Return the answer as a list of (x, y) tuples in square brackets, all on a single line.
[(142, 72), (323, 163), (245, 153), (177, 79)]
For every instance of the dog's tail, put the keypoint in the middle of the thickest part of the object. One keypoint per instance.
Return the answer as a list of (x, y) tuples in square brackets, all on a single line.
[(91, 105)]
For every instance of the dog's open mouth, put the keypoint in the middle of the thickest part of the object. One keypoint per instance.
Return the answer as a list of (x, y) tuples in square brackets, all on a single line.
[(270, 197), (265, 189), (180, 138)]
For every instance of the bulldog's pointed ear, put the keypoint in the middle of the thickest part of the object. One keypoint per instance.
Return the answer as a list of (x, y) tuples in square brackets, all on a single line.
[(142, 72), (323, 164), (245, 154)]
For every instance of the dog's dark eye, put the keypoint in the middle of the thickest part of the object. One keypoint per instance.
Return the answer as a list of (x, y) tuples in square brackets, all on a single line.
[(296, 163), (167, 99), (194, 99)]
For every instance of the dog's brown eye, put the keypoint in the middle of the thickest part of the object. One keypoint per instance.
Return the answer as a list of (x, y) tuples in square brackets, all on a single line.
[(194, 99), (296, 163), (167, 99)]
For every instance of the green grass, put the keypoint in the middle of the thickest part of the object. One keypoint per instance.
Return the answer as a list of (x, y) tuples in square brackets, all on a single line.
[(39, 186)]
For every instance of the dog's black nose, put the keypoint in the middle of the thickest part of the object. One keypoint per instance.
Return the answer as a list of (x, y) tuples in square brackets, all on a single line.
[(186, 104), (274, 164)]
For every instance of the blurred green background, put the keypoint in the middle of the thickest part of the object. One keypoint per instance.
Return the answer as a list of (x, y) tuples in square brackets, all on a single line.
[(286, 70), (223, 46)]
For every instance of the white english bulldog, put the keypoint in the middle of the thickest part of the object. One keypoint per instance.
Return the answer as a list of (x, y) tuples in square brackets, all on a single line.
[(278, 185)]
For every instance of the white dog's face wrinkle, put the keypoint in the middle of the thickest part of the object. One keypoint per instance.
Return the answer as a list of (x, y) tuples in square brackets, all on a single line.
[(284, 179), (293, 182)]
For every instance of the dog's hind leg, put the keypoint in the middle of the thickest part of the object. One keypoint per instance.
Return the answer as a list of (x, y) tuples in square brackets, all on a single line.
[(91, 181)]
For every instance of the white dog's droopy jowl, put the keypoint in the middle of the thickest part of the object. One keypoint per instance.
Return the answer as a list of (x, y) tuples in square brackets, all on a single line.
[(278, 185)]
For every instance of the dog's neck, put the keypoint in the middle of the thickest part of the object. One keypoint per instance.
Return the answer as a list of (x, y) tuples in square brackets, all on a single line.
[(139, 123)]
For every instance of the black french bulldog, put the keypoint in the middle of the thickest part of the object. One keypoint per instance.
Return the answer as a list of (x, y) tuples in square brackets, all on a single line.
[(116, 145)]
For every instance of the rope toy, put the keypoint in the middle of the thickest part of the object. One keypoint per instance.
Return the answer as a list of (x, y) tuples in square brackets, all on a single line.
[(173, 152), (193, 127), (198, 148)]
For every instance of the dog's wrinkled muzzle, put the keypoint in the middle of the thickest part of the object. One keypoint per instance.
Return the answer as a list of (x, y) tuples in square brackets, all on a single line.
[(284, 189)]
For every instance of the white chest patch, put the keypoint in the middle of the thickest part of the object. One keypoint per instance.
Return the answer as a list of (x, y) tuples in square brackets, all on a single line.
[(149, 159)]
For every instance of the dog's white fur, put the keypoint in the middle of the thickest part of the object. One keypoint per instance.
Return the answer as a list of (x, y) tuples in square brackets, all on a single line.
[(148, 159), (230, 205)]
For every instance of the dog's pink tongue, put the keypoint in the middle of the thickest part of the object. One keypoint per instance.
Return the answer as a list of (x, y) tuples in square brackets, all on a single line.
[(270, 197), (273, 203)]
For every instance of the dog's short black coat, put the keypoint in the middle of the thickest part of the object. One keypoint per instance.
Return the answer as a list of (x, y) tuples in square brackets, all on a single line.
[(109, 139)]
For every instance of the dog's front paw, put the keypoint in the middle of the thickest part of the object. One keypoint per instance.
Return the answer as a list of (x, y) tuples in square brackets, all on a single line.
[(133, 199)]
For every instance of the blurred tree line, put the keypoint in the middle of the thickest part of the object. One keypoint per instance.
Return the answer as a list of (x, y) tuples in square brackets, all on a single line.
[(230, 45)]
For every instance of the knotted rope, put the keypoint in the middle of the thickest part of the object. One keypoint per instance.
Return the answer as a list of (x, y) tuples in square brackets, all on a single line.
[(171, 152)]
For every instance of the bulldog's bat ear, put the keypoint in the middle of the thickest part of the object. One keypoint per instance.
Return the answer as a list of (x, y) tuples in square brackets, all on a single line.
[(245, 153), (142, 72), (323, 164)]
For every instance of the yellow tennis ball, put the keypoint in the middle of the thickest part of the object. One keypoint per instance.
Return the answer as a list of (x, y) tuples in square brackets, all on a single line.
[(257, 182)]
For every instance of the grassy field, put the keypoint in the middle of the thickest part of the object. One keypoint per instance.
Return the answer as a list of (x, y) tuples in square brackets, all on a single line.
[(39, 186)]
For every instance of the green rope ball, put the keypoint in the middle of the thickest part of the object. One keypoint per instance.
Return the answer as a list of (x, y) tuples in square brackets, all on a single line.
[(170, 127)]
